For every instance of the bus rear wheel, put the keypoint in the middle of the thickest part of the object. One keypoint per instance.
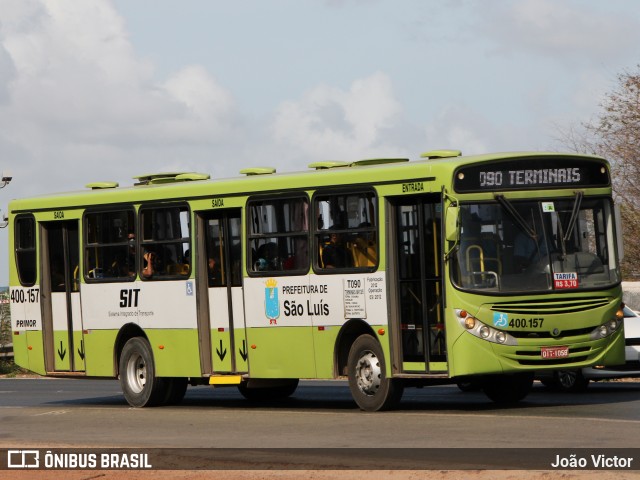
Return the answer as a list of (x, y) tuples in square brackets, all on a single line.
[(138, 379), (508, 389), (368, 382), (175, 390)]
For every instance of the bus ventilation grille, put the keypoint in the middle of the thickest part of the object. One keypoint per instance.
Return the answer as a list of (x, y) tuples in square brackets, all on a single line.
[(550, 307)]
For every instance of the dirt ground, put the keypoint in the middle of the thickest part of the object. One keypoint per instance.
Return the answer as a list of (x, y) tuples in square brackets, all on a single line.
[(324, 475)]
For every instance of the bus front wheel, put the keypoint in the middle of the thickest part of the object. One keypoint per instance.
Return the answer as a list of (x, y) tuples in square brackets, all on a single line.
[(508, 389), (139, 383), (368, 382)]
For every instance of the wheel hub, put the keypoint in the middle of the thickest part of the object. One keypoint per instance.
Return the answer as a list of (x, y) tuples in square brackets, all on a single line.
[(368, 374), (137, 373)]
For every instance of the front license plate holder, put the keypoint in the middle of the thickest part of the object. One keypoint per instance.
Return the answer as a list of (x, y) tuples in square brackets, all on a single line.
[(554, 352)]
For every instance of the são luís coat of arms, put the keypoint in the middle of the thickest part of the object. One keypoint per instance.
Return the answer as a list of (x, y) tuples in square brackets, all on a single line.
[(271, 302)]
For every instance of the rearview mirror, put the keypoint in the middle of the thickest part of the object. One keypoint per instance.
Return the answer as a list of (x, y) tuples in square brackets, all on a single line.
[(452, 230)]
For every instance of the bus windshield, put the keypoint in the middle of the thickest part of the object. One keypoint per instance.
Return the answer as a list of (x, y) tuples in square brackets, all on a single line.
[(526, 246)]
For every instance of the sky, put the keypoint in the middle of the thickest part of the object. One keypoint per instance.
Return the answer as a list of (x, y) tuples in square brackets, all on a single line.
[(104, 90)]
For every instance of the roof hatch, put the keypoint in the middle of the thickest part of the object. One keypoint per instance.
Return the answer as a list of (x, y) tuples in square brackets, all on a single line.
[(433, 154), (101, 185), (328, 164), (169, 177), (258, 171), (377, 161), (358, 163)]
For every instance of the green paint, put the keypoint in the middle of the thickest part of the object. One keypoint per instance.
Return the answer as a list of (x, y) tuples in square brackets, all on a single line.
[(175, 352), (281, 352)]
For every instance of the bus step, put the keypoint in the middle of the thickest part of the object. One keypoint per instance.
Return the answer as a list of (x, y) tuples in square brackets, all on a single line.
[(225, 380)]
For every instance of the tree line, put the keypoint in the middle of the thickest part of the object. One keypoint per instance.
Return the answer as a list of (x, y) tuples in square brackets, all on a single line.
[(615, 135)]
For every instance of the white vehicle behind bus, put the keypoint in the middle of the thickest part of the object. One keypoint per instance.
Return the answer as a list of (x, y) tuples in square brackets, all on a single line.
[(578, 380)]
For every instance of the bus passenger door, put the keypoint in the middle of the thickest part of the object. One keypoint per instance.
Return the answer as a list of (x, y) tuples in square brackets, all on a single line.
[(221, 329), (416, 256), (60, 282)]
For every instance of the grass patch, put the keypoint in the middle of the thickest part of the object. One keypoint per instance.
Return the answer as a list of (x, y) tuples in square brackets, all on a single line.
[(10, 369)]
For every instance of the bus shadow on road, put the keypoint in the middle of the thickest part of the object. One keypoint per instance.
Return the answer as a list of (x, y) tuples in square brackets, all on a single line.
[(439, 398), (450, 398), (338, 398)]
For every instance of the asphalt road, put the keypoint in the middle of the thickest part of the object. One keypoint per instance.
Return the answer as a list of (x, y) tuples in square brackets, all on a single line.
[(67, 412)]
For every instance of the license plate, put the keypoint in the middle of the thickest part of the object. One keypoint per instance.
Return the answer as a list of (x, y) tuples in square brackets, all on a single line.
[(554, 352)]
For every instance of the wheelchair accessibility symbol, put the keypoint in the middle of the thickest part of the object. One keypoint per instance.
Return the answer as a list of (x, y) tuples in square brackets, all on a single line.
[(500, 319)]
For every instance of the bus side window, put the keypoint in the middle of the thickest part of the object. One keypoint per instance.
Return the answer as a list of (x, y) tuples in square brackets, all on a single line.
[(345, 231), (110, 249), (25, 249), (165, 242), (278, 235)]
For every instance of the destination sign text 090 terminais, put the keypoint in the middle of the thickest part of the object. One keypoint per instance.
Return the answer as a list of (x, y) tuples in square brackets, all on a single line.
[(531, 173)]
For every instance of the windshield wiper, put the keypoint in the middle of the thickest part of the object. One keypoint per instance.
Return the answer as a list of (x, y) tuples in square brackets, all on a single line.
[(511, 210), (574, 216), (562, 237), (565, 235)]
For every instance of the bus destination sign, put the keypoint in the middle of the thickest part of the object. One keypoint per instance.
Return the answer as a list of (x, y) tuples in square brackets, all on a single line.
[(531, 173)]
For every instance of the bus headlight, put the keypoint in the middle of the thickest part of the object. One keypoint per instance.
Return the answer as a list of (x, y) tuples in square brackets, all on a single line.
[(607, 329), (485, 331), (481, 330), (469, 322)]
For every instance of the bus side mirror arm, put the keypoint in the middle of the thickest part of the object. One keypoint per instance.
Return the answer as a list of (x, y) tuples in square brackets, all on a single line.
[(620, 245), (452, 227)]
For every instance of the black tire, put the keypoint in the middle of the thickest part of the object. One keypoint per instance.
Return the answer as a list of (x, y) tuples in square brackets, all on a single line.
[(368, 382), (469, 385), (176, 388), (283, 389), (570, 381), (138, 379), (548, 382), (508, 389)]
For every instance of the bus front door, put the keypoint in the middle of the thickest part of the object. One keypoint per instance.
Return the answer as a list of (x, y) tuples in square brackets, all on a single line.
[(416, 264), (221, 326), (62, 326)]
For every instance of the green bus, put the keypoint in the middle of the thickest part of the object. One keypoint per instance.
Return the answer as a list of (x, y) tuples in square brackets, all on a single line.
[(387, 272)]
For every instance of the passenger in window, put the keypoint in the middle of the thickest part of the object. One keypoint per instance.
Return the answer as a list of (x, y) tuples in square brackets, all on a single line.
[(120, 268), (125, 265), (214, 272), (364, 248), (124, 261), (335, 254), (151, 264), (268, 258)]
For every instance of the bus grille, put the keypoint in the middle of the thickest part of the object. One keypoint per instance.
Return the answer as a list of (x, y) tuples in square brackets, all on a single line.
[(545, 334), (551, 307)]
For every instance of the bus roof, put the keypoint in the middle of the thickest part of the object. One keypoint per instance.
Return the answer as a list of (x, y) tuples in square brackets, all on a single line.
[(179, 185)]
